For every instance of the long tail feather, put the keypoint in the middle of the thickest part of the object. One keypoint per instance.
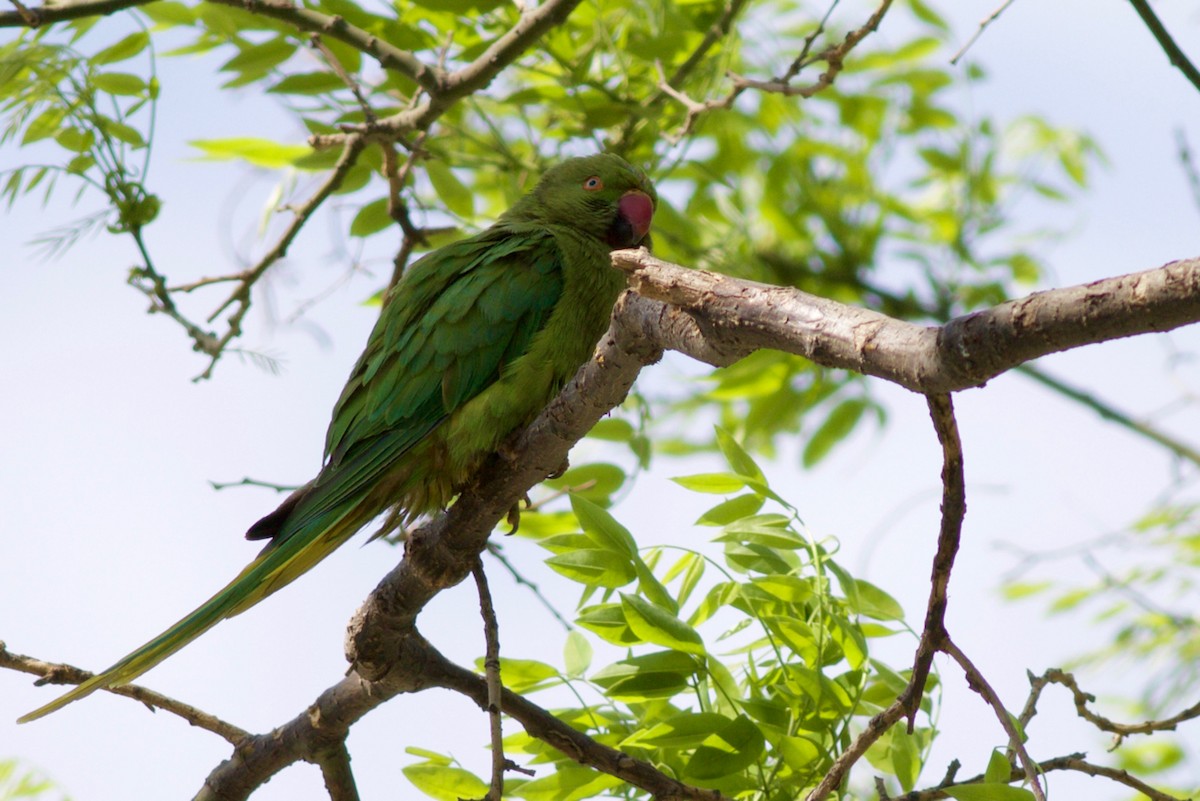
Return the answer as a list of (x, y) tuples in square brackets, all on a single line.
[(274, 568)]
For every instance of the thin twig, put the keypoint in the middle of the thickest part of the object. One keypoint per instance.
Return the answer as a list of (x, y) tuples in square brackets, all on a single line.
[(253, 482), (1075, 762), (1111, 413), (491, 667), (1163, 37), (1188, 164), (32, 18), (241, 294), (979, 684), (986, 21), (498, 554), (59, 673), (336, 65), (834, 56), (876, 727), (1082, 699)]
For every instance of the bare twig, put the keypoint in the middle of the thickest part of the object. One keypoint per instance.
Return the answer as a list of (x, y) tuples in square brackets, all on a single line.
[(1074, 762), (1188, 163), (253, 482), (986, 21), (59, 673), (340, 70), (491, 667), (834, 57), (31, 18), (498, 554), (1109, 412), (954, 508), (241, 294), (1082, 699), (979, 684), (876, 727), (1163, 37)]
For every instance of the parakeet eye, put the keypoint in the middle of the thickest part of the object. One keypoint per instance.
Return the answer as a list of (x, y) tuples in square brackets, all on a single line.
[(593, 184)]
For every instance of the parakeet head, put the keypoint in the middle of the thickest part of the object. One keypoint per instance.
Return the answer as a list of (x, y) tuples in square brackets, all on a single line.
[(603, 195)]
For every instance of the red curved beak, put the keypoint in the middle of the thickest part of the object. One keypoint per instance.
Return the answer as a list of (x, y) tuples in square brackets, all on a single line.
[(637, 209)]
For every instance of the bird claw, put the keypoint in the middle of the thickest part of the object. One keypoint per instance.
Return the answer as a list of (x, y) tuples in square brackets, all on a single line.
[(513, 518), (560, 470)]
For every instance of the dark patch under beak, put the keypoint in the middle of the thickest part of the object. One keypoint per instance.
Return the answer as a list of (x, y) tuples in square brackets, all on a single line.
[(635, 210)]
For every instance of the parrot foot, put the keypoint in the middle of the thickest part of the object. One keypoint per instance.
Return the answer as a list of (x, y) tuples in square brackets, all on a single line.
[(513, 518), (562, 468)]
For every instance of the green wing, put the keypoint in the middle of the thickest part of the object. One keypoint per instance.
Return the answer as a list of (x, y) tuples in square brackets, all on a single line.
[(453, 323), (448, 330)]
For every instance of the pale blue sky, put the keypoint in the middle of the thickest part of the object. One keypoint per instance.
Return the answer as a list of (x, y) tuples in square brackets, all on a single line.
[(110, 531)]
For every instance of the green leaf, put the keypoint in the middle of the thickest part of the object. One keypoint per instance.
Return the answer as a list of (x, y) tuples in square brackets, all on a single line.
[(687, 730), (800, 753), (712, 483), (44, 125), (657, 675), (594, 567), (603, 527), (258, 59), (733, 509), (797, 635), (75, 139), (568, 783), (654, 625), (792, 589), (453, 193), (738, 459), (607, 621), (577, 654), (445, 783), (259, 152), (308, 83), (837, 426), (906, 757), (80, 164), (169, 12), (988, 792), (875, 603), (430, 756), (371, 218), (119, 130), (851, 641), (595, 482), (726, 751), (612, 429), (524, 675), (998, 768), (119, 83), (127, 48)]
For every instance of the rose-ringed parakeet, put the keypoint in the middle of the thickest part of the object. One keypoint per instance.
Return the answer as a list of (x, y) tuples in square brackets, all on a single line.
[(472, 342)]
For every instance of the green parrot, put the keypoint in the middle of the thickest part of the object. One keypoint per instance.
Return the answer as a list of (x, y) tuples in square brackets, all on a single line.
[(472, 343)]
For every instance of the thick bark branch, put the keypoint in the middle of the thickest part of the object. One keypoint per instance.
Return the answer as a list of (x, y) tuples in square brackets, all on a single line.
[(732, 318)]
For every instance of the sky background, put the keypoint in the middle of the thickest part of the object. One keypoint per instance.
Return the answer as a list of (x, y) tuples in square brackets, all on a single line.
[(109, 530)]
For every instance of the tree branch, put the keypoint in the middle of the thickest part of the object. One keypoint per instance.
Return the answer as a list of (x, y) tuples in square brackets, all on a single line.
[(1082, 699), (730, 318), (491, 666), (59, 673), (979, 684), (1177, 57)]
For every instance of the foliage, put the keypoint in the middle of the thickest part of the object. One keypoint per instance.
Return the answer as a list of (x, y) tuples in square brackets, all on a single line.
[(746, 673), (746, 667), (18, 782)]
